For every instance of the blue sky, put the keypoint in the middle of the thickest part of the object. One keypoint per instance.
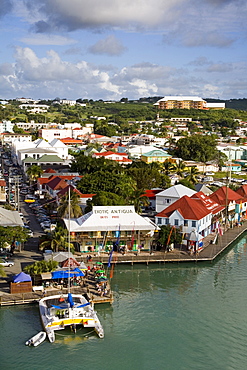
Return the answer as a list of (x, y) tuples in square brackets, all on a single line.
[(123, 48)]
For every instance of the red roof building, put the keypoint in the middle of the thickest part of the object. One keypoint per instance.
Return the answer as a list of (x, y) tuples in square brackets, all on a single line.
[(226, 197), (121, 158)]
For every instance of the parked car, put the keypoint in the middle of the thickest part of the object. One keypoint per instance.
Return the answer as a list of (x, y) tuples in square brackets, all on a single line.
[(5, 263)]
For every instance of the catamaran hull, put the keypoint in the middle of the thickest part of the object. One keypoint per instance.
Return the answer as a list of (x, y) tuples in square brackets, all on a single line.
[(55, 317)]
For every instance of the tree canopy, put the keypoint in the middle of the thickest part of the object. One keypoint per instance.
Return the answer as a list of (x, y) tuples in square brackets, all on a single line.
[(197, 148)]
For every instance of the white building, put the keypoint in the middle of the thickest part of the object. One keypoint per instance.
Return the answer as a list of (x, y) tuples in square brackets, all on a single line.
[(101, 227), (35, 108), (6, 126), (167, 197), (63, 133)]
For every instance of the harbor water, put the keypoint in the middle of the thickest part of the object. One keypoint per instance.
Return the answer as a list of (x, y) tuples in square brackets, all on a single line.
[(172, 316)]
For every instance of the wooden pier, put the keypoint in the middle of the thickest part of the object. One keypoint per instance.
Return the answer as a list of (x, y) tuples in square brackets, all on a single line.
[(208, 254), (88, 290)]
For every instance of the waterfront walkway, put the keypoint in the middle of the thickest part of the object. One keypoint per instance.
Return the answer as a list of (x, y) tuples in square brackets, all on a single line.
[(209, 253)]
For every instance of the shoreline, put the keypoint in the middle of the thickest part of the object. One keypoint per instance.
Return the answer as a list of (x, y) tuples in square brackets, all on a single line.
[(208, 254)]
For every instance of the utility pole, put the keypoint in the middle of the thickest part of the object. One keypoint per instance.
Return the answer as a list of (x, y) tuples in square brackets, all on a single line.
[(18, 196)]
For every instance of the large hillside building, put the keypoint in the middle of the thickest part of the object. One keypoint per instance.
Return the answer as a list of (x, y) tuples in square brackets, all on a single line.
[(186, 102)]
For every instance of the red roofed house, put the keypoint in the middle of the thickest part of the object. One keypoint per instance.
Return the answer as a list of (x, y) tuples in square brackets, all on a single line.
[(70, 141), (119, 147), (233, 200), (95, 138), (83, 197), (55, 185), (151, 195), (188, 215), (121, 158)]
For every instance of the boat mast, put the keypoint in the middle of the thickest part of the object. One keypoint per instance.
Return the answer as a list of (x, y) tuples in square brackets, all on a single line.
[(69, 242)]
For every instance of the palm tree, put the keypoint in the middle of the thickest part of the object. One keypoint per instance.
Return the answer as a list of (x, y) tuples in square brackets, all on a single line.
[(171, 141), (180, 168), (58, 241), (139, 199), (168, 167), (192, 173), (34, 172), (73, 208)]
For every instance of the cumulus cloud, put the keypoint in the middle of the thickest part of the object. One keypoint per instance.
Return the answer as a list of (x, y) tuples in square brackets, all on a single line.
[(51, 76), (78, 14), (109, 46), (187, 22)]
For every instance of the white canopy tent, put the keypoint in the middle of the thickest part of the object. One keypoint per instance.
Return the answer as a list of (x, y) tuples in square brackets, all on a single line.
[(110, 218)]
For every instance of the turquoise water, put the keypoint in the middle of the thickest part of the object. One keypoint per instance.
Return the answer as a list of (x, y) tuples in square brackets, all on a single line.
[(163, 317)]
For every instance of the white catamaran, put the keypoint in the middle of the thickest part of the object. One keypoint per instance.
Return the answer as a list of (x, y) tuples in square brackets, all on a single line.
[(68, 310)]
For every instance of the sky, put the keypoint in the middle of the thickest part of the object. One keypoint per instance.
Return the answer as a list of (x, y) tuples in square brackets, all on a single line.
[(113, 49)]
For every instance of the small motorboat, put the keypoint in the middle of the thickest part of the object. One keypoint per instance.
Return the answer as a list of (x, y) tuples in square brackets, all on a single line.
[(36, 339)]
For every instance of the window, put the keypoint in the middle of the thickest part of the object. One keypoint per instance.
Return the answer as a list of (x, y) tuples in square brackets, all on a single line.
[(168, 201), (176, 221), (186, 223), (193, 223), (167, 221), (159, 221)]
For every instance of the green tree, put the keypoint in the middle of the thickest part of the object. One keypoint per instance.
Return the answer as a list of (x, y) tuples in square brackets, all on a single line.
[(180, 168), (57, 241), (103, 198), (196, 148), (187, 183), (168, 168), (11, 234), (191, 174), (139, 200), (40, 267), (70, 204), (169, 234), (34, 172)]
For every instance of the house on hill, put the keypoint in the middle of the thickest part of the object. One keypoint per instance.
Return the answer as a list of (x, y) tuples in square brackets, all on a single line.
[(156, 155), (121, 158)]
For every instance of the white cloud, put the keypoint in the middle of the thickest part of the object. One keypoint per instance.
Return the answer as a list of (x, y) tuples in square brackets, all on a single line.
[(215, 23), (51, 76)]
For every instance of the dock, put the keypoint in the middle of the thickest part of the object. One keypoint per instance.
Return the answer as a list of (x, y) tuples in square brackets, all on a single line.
[(208, 254), (179, 255), (88, 290)]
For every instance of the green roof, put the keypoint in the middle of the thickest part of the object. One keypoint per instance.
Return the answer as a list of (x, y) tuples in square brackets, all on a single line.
[(29, 160), (44, 159), (50, 158), (156, 153)]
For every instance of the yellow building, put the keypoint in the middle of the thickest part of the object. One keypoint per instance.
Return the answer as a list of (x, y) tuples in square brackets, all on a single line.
[(155, 156), (181, 102)]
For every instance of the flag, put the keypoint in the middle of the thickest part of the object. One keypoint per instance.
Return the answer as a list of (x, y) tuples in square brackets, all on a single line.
[(118, 236), (110, 258)]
